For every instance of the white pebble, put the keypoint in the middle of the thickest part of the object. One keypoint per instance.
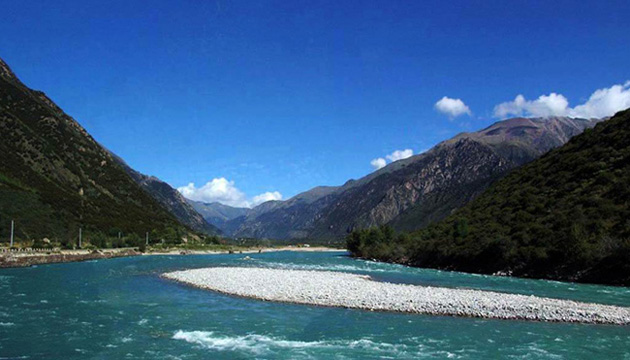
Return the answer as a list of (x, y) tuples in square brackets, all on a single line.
[(327, 288)]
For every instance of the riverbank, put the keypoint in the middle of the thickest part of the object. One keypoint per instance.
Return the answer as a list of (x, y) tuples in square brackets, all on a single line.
[(326, 288), (253, 250), (25, 259)]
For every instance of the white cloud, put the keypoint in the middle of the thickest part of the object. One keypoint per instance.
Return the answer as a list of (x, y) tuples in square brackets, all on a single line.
[(452, 107), (225, 192), (268, 196), (378, 163), (218, 190), (602, 103), (399, 155), (546, 105)]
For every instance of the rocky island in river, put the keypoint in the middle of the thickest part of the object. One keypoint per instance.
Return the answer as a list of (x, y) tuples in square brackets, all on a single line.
[(327, 288)]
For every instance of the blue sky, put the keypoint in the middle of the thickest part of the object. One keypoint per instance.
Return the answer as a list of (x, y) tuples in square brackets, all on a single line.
[(281, 96)]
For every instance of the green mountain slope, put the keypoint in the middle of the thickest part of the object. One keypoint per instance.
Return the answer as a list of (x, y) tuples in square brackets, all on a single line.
[(564, 216), (170, 199), (55, 176)]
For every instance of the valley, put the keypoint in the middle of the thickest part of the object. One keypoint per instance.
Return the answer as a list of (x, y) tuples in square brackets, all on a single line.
[(310, 180)]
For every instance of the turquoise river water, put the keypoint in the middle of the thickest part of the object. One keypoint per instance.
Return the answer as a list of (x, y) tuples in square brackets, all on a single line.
[(122, 309)]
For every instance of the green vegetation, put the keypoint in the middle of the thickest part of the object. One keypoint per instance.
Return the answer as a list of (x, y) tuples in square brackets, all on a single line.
[(94, 238), (55, 178), (197, 246), (564, 216), (255, 242)]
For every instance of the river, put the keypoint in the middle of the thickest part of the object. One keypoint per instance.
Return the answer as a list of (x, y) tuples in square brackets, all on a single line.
[(122, 309)]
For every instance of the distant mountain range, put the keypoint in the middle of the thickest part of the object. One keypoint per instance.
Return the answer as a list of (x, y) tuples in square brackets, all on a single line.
[(410, 193), (218, 214), (54, 177), (564, 216)]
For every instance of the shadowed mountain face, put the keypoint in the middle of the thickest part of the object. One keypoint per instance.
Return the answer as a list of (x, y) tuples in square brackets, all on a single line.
[(170, 199), (218, 214), (413, 192), (229, 219), (55, 176)]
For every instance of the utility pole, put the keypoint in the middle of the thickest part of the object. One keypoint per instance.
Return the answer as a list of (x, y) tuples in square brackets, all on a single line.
[(147, 238), (12, 228), (81, 216), (119, 235)]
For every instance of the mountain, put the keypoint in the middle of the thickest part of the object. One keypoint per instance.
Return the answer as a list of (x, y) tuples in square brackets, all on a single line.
[(563, 216), (229, 219), (55, 177), (282, 219), (170, 199), (218, 214), (413, 192), (516, 141)]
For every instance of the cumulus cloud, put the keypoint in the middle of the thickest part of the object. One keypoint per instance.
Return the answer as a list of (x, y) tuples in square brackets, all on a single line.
[(399, 155), (268, 196), (379, 163), (225, 192), (217, 190), (452, 107), (546, 105), (602, 103)]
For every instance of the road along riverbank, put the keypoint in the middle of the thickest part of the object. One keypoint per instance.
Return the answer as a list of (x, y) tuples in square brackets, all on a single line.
[(24, 259)]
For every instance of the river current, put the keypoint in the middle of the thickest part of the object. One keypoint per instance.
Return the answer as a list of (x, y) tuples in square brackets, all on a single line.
[(122, 309)]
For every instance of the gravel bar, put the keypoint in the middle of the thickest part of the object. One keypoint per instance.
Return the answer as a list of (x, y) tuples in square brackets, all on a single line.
[(328, 288)]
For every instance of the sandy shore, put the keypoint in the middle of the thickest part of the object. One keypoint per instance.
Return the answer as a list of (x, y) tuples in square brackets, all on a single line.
[(346, 290)]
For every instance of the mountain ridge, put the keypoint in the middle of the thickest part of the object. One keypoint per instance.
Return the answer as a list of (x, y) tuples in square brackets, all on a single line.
[(55, 177), (563, 216), (170, 199), (358, 203)]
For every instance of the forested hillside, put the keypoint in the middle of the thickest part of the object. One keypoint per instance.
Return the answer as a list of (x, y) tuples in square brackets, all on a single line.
[(563, 216), (54, 177)]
